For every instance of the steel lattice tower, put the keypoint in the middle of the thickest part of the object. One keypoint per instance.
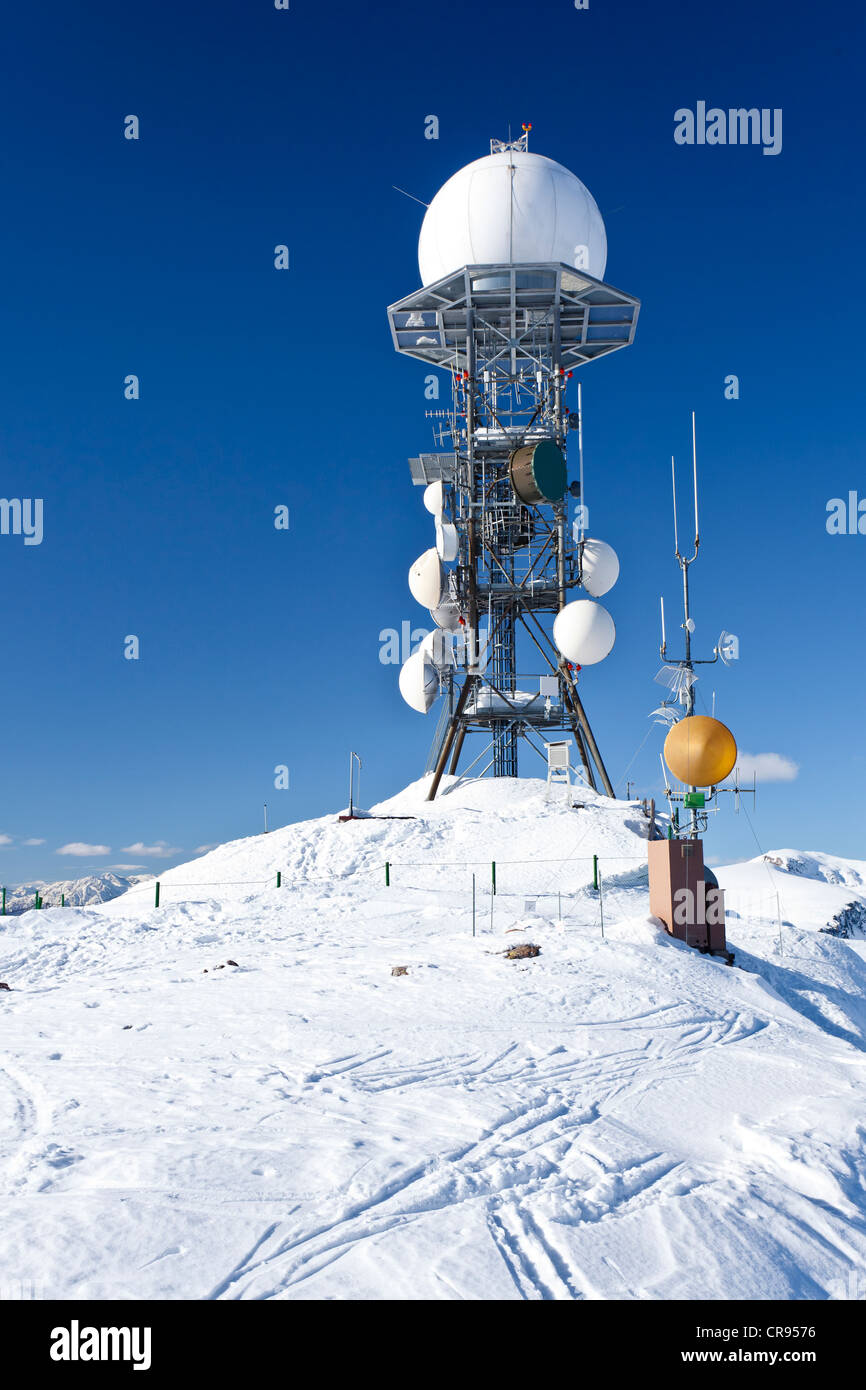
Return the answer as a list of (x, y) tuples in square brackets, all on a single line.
[(510, 334)]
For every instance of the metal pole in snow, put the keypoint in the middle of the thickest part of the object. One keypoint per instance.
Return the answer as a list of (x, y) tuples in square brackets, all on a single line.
[(595, 872), (266, 818), (387, 873), (279, 878), (156, 897), (493, 875), (353, 758), (601, 906)]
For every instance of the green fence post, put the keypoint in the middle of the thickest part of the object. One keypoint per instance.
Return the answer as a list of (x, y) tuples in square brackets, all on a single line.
[(62, 899), (493, 874), (279, 878), (156, 896), (595, 872), (387, 873)]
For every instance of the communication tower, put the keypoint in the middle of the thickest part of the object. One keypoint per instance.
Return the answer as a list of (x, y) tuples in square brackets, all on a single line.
[(512, 253)]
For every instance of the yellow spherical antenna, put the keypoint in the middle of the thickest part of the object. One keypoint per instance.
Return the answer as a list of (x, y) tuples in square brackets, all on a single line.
[(700, 751)]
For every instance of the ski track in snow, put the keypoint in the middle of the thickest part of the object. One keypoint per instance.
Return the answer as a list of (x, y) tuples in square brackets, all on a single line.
[(620, 1118)]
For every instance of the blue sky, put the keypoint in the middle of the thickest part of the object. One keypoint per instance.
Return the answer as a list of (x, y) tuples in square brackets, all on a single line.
[(260, 388)]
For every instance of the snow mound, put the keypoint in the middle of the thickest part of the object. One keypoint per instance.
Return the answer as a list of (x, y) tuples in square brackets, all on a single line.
[(542, 840)]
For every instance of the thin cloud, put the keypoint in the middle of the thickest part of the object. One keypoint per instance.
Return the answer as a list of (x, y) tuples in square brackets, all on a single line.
[(82, 851), (34, 842), (204, 849), (5, 839), (158, 851), (767, 767), (124, 868)]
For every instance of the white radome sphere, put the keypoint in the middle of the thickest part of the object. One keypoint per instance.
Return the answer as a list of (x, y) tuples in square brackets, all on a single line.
[(584, 632), (599, 566), (511, 208)]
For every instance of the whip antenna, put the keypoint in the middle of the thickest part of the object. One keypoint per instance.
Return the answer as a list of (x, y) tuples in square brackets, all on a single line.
[(695, 472)]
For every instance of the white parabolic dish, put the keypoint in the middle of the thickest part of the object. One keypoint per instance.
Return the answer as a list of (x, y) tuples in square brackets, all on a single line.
[(584, 632), (426, 580), (511, 208), (599, 567), (419, 682)]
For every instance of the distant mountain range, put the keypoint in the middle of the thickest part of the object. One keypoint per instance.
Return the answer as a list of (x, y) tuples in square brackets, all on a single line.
[(76, 892)]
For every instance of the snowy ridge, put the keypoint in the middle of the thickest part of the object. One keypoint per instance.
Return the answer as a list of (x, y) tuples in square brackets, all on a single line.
[(78, 892), (826, 867), (619, 1117), (821, 892)]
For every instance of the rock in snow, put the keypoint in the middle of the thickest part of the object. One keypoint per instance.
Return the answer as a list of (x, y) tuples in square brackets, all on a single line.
[(624, 1118)]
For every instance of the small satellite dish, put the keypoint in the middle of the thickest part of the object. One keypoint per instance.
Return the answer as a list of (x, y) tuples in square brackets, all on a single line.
[(599, 567), (446, 540), (434, 497), (419, 682), (447, 615), (666, 714), (690, 624), (426, 580), (728, 647), (584, 632)]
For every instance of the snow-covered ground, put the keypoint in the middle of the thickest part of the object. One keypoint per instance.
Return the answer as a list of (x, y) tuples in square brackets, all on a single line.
[(619, 1117)]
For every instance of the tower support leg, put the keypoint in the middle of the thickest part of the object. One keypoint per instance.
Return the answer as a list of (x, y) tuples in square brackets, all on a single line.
[(582, 753), (458, 749), (454, 728), (589, 736)]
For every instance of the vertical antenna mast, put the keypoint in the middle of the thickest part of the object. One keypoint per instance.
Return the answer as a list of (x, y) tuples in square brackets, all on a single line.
[(580, 455), (695, 471)]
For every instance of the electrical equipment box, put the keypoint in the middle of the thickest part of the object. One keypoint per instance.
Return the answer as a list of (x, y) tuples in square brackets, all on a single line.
[(685, 896)]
